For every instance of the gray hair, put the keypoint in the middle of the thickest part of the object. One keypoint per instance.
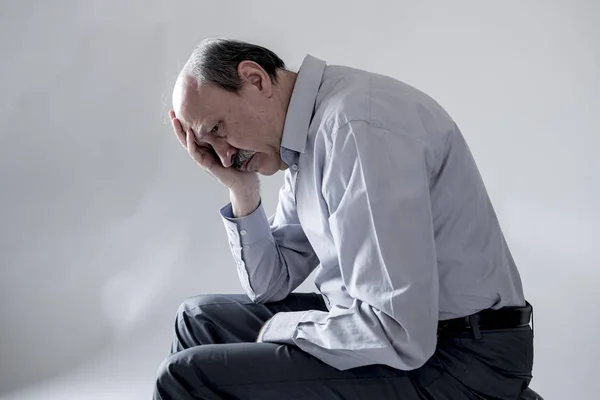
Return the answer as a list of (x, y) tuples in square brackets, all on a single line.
[(215, 61)]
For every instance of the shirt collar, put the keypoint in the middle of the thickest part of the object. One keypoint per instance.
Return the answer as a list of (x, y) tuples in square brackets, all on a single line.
[(302, 103)]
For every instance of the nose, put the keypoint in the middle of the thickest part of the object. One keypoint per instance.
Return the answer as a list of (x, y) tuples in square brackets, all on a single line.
[(226, 154)]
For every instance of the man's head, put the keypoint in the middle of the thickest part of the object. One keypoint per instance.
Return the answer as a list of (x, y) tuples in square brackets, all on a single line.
[(234, 96)]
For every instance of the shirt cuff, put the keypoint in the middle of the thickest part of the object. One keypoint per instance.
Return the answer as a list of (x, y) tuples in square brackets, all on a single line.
[(246, 230), (281, 328)]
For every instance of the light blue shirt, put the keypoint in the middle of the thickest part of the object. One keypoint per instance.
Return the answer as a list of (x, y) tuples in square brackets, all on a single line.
[(384, 199)]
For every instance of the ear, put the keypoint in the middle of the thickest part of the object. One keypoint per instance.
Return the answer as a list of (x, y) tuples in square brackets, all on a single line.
[(253, 74)]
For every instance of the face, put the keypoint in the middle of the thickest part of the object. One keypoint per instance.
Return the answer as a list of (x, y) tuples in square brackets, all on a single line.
[(244, 129)]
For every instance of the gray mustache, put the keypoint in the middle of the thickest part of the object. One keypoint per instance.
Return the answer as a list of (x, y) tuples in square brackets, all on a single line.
[(241, 157)]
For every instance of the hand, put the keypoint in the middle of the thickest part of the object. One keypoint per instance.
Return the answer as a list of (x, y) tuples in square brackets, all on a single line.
[(206, 157)]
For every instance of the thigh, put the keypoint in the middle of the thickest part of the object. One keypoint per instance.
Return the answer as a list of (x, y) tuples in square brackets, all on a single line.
[(273, 371), (218, 319)]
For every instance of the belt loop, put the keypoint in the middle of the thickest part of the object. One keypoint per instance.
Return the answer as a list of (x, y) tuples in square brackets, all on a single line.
[(474, 322)]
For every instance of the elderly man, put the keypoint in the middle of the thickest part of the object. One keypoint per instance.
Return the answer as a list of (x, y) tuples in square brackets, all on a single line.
[(419, 297)]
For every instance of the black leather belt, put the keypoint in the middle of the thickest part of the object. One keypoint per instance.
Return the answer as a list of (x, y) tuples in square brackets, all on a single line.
[(503, 318)]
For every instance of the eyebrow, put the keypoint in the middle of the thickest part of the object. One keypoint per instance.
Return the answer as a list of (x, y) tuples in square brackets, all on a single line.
[(200, 131)]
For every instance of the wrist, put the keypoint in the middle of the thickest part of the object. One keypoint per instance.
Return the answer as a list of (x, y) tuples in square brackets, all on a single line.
[(248, 183), (244, 201)]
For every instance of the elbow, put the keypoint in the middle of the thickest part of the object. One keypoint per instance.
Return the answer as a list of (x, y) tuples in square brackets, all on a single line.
[(255, 293), (258, 298), (263, 298), (267, 294), (414, 346), (422, 350), (269, 284), (420, 357)]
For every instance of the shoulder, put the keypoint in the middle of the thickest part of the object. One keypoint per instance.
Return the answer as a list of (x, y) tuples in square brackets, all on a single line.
[(344, 96), (350, 95)]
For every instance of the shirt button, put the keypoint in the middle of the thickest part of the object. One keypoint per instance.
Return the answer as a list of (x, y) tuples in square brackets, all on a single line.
[(295, 167), (243, 232)]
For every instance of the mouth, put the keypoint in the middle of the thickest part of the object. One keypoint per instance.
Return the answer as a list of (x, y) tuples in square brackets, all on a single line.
[(246, 164)]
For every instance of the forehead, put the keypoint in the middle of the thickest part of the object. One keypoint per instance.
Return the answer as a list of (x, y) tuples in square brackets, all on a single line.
[(194, 104)]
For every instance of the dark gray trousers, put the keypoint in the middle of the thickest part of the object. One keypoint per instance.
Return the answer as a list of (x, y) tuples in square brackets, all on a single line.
[(214, 356)]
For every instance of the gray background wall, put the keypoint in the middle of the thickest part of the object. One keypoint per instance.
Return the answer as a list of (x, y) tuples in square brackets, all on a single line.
[(106, 225)]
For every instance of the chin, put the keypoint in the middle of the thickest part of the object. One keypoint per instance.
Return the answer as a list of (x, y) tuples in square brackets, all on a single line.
[(267, 168), (267, 171)]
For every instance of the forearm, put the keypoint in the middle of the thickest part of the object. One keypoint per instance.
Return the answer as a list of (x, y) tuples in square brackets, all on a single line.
[(272, 261), (360, 335), (273, 256), (244, 200)]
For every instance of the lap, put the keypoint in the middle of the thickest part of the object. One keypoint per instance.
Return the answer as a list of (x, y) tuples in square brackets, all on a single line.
[(236, 367), (269, 370), (232, 318), (231, 304), (274, 371)]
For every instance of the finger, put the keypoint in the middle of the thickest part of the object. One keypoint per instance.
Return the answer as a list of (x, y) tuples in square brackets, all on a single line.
[(193, 148), (179, 132)]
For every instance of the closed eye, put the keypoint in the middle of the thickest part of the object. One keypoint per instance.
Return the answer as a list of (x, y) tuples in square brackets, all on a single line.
[(216, 130)]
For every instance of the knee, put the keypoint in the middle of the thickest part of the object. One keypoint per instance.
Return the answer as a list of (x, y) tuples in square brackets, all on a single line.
[(199, 301), (197, 305), (171, 368), (188, 373), (178, 371), (194, 305)]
